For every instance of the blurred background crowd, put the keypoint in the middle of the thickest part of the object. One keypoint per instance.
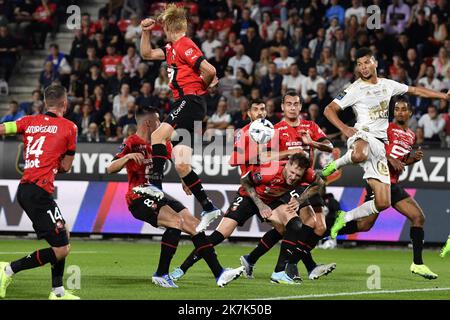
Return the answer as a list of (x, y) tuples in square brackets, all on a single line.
[(259, 49)]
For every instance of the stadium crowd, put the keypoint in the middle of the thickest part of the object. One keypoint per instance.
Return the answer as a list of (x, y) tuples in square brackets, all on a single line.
[(259, 49)]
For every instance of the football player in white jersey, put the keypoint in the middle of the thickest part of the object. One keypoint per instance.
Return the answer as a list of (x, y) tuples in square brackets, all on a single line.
[(369, 97)]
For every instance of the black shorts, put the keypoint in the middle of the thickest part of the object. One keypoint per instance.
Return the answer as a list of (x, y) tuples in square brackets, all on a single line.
[(147, 210), (44, 213), (243, 208), (397, 194), (186, 111)]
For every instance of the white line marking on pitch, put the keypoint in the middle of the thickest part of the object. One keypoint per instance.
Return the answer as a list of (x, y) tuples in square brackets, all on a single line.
[(27, 252), (357, 293)]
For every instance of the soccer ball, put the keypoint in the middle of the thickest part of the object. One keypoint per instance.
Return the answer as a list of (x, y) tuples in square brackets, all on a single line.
[(261, 131)]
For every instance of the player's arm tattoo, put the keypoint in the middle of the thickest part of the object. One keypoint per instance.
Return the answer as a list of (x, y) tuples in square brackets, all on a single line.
[(247, 183), (311, 190)]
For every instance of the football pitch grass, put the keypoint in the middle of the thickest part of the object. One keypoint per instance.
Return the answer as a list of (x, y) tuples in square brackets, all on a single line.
[(122, 270)]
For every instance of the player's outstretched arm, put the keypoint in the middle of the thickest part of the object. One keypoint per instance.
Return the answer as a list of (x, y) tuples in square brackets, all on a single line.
[(118, 164), (147, 52), (428, 93), (247, 183), (331, 112), (8, 128), (268, 156), (311, 190)]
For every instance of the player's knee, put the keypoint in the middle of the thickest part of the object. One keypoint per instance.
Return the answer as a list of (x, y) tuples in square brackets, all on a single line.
[(418, 220), (359, 156), (183, 168), (320, 229), (382, 204), (61, 252)]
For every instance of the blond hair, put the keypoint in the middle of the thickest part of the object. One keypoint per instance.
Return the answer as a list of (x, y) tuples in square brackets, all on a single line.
[(173, 18)]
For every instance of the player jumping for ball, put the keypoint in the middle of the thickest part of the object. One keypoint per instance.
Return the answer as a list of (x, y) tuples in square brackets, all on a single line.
[(136, 157), (49, 144), (190, 75), (369, 97), (399, 154)]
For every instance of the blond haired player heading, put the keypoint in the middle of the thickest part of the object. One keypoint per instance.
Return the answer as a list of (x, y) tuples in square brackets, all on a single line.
[(369, 97), (190, 75)]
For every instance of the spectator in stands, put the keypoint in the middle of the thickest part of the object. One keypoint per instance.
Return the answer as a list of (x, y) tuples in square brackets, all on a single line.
[(231, 44), (419, 32), (240, 60), (162, 82), (412, 64), (132, 8), (446, 118), (283, 62), (23, 16), (439, 30), (110, 31), (116, 82), (298, 41), (43, 23), (131, 61), (92, 135), (335, 10), (48, 75), (326, 63), (271, 83), (240, 118), (108, 127), (99, 44), (140, 78), (293, 80), (268, 27), (121, 101), (110, 61), (219, 62), (316, 45), (397, 16), (309, 85), (278, 42), (240, 28), (235, 98), (222, 25), (79, 45), (420, 5), (146, 99), (126, 119), (219, 121), (210, 44), (262, 66), (314, 113), (88, 28), (322, 99), (60, 64), (431, 126), (212, 100), (305, 62), (227, 83), (252, 43), (91, 59), (134, 31), (87, 117), (272, 116), (8, 52), (430, 81), (356, 10), (100, 103), (441, 63), (26, 106), (245, 80), (339, 81), (14, 113), (94, 79)]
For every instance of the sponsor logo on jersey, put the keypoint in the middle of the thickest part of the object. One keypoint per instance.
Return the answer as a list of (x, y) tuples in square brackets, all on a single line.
[(383, 168), (341, 95)]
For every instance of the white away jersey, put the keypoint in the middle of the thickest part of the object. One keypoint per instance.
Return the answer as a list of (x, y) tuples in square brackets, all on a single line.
[(370, 103)]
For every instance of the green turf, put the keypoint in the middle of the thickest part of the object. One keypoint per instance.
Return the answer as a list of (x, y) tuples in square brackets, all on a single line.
[(122, 270)]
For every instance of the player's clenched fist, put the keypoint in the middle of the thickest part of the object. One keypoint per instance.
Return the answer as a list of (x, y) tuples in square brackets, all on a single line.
[(148, 24)]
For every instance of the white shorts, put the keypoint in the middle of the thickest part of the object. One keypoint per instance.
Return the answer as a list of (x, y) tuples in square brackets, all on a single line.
[(376, 165)]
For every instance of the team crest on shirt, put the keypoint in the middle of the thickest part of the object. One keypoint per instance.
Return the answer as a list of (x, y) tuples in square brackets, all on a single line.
[(383, 168), (188, 52)]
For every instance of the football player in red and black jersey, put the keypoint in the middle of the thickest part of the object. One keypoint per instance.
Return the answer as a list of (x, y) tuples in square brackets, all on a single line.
[(190, 75), (295, 133), (399, 154), (49, 147), (136, 156)]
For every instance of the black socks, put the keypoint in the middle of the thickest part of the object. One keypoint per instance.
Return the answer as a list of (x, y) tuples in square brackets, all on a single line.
[(34, 260), (159, 157), (417, 236), (169, 244), (205, 249), (193, 182), (266, 243)]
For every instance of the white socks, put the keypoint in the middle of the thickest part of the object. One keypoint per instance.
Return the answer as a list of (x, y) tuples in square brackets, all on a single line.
[(345, 159), (59, 291), (364, 210), (8, 270)]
